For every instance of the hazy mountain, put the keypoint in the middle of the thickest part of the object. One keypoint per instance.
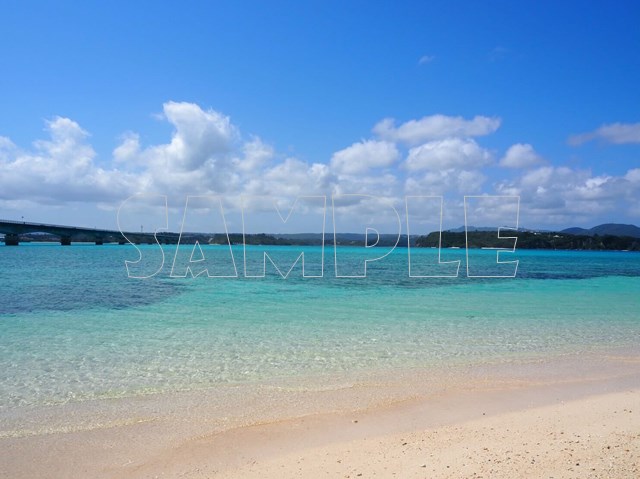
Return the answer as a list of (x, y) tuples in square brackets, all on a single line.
[(614, 229), (576, 231)]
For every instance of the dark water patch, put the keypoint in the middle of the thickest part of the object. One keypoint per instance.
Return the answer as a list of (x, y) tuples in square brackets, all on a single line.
[(56, 278)]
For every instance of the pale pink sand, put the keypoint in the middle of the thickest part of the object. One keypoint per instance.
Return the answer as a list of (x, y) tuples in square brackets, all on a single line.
[(586, 438), (560, 419)]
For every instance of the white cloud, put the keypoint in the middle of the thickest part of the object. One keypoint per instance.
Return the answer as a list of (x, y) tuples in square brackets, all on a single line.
[(446, 154), (441, 182), (198, 159), (383, 185), (498, 53), (6, 143), (6, 148), (633, 175), (206, 154), (424, 59), (291, 177), (520, 155), (256, 154), (566, 196), (362, 156), (616, 133), (128, 150), (61, 169), (435, 127), (199, 136)]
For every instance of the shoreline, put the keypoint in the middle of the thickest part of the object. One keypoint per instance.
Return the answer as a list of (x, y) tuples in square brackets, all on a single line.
[(195, 435)]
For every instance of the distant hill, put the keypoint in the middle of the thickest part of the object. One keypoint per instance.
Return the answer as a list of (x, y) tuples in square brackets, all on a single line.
[(462, 229), (613, 229), (531, 240), (346, 239), (576, 231)]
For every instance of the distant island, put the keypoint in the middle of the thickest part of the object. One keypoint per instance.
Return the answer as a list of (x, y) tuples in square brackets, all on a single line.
[(531, 240), (611, 236)]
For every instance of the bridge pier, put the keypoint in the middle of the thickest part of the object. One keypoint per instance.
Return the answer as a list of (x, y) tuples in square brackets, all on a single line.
[(11, 240), (65, 240)]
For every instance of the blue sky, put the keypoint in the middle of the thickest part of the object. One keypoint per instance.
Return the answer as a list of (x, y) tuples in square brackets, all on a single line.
[(290, 94)]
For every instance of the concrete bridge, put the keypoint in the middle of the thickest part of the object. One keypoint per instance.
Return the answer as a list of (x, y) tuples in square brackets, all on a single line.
[(13, 230)]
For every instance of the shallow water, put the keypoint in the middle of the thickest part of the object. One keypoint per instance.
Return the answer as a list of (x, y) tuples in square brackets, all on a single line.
[(74, 327)]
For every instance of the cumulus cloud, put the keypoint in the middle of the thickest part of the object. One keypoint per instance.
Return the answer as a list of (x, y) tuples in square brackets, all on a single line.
[(199, 137), (616, 133), (256, 155), (441, 182), (565, 195), (633, 175), (199, 158), (291, 177), (128, 150), (520, 155), (447, 154), (435, 127), (202, 133), (207, 155), (60, 169), (362, 156)]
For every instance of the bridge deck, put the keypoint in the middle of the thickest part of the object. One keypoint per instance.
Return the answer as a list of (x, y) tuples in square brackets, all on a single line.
[(67, 234)]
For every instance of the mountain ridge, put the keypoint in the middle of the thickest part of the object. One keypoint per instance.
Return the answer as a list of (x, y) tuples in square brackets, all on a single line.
[(614, 229)]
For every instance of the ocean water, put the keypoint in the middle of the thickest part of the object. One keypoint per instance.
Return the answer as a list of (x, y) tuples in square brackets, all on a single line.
[(74, 327)]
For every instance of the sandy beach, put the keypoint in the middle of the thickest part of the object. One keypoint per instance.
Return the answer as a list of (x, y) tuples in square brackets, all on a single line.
[(592, 437), (576, 417)]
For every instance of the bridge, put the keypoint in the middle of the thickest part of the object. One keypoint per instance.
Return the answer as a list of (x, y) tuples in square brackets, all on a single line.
[(13, 230)]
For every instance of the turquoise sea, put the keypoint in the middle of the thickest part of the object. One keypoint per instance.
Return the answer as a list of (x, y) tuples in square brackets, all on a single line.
[(74, 327)]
